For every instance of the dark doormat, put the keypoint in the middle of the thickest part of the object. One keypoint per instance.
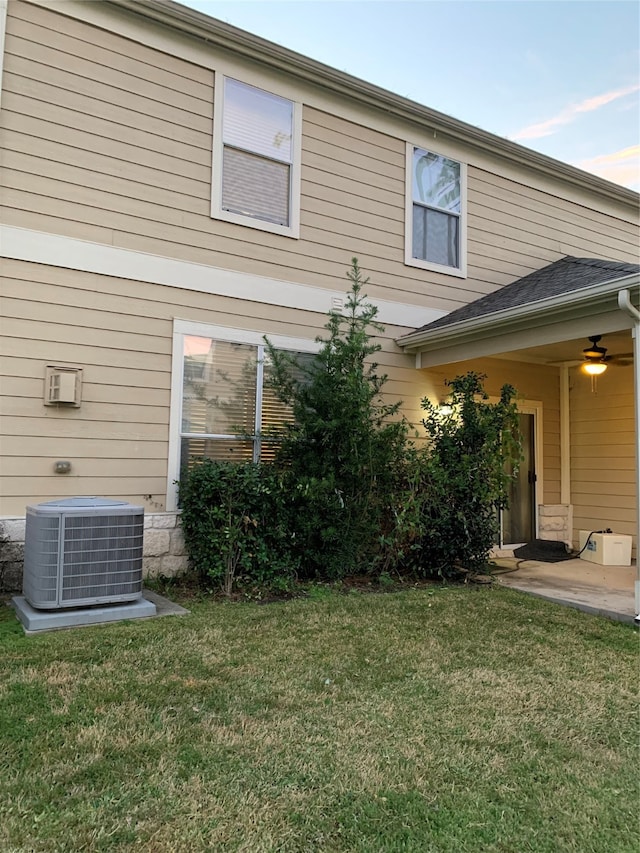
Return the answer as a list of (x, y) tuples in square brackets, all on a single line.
[(544, 551)]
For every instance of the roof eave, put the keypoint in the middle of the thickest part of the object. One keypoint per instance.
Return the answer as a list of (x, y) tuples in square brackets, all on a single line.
[(227, 37), (531, 315)]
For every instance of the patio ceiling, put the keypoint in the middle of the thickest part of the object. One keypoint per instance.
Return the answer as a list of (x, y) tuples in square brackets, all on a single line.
[(619, 345)]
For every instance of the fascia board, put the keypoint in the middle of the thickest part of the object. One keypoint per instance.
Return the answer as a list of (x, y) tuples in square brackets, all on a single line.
[(584, 302), (229, 38)]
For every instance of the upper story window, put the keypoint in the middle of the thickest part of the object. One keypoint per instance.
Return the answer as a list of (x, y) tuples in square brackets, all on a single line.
[(435, 232), (256, 165)]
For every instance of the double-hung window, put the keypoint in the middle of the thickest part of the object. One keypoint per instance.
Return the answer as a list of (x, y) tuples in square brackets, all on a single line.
[(222, 405), (256, 164), (435, 233)]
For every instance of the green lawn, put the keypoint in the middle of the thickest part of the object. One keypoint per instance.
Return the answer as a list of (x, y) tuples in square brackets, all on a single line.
[(431, 720)]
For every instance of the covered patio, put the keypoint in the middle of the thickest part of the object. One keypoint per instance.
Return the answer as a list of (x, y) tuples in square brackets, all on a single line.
[(580, 470)]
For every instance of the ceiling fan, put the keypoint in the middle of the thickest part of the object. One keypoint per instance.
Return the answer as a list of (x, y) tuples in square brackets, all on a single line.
[(596, 359)]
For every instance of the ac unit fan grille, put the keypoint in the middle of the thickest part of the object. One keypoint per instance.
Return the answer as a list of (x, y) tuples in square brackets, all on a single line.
[(102, 557)]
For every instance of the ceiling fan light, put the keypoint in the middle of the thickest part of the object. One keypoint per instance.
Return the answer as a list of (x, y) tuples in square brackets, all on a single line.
[(594, 368)]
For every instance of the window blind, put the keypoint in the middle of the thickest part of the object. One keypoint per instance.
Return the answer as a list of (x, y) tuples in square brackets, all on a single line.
[(257, 153)]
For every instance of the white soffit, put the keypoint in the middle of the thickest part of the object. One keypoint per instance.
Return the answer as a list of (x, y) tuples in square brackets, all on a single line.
[(69, 253)]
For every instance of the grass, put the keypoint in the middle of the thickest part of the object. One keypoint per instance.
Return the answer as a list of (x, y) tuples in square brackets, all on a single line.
[(432, 720)]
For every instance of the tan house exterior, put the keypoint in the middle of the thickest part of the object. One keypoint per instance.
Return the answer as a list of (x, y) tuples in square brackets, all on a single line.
[(125, 246)]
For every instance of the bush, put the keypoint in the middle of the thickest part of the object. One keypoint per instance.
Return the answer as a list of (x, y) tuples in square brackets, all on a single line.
[(348, 492), (235, 520), (465, 475), (340, 457)]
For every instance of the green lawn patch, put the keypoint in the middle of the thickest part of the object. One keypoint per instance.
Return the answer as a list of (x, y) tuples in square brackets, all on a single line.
[(443, 719)]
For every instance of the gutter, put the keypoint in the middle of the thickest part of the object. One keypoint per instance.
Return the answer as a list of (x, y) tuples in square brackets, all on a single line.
[(229, 38), (624, 303), (510, 319)]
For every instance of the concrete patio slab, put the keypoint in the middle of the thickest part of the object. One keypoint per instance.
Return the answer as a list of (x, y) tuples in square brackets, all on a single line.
[(37, 621), (604, 590)]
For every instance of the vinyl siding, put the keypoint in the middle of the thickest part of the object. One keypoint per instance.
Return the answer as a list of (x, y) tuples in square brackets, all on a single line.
[(120, 332), (109, 140), (603, 487)]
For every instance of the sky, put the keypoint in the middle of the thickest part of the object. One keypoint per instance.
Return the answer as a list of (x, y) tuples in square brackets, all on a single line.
[(559, 76)]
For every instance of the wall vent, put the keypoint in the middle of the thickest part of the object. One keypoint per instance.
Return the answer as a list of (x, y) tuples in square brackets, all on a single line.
[(62, 386)]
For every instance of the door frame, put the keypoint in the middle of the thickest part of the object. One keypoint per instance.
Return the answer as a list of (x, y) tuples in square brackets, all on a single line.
[(530, 407)]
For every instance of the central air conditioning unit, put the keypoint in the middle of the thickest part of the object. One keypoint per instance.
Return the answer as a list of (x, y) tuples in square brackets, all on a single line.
[(83, 551)]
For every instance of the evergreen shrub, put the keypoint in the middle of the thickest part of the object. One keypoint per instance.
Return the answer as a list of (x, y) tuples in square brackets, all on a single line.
[(341, 456), (473, 455), (348, 491)]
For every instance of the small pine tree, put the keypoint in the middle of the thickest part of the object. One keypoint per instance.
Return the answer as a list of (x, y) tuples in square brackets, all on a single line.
[(341, 452)]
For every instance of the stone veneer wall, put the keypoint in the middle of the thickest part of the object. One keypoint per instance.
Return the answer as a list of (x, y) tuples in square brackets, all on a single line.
[(555, 523), (164, 551)]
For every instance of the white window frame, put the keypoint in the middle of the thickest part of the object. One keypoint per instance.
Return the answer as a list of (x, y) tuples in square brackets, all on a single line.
[(217, 211), (183, 328), (461, 271)]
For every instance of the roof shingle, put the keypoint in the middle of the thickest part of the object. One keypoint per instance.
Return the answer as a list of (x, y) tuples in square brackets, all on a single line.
[(562, 276)]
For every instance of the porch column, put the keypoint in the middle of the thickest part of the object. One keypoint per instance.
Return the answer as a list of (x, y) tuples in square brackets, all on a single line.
[(565, 438), (624, 302)]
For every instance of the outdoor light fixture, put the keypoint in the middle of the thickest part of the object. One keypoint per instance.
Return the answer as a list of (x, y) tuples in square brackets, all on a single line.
[(595, 361), (594, 368), (445, 408), (595, 357)]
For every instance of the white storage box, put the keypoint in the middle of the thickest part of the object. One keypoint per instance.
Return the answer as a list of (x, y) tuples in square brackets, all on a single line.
[(606, 549)]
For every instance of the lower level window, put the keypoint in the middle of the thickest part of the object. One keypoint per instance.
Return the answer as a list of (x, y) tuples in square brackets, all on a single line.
[(228, 410)]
